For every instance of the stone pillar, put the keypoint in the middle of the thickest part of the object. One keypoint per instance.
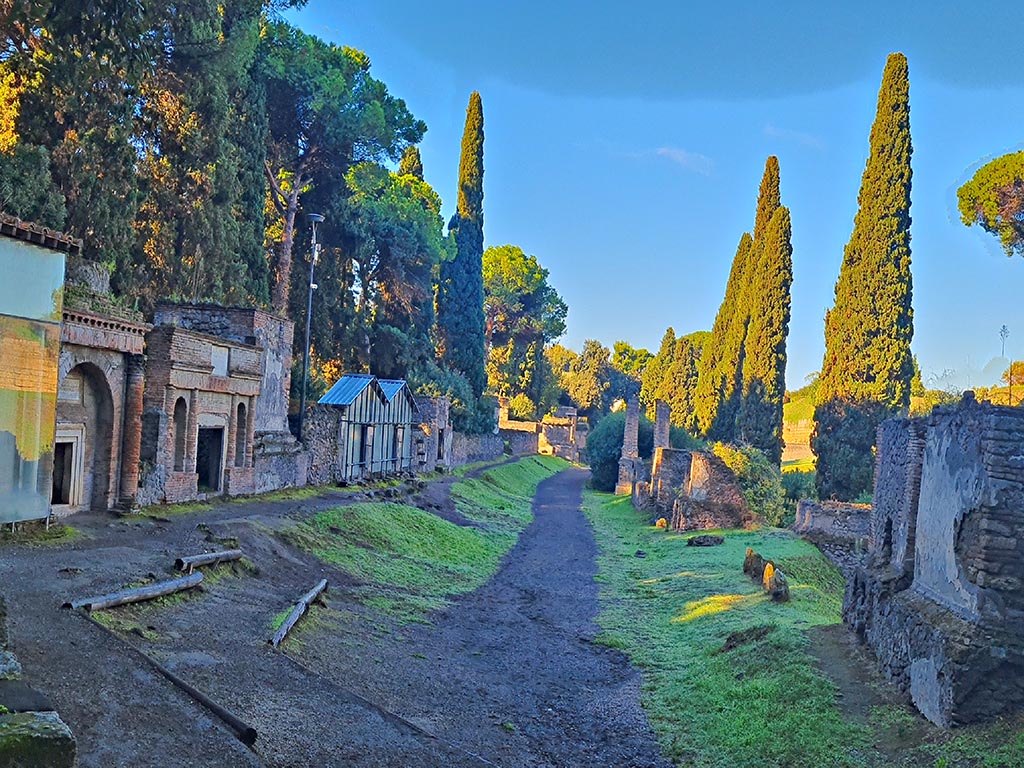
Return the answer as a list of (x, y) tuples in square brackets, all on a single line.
[(131, 434), (662, 417), (630, 449), (192, 434)]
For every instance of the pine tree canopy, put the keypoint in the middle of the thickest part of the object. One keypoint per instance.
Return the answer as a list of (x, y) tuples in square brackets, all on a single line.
[(994, 199), (867, 363)]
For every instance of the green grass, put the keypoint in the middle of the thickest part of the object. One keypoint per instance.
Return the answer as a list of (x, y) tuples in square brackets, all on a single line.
[(410, 562), (35, 534), (798, 409), (799, 465), (761, 704), (463, 469)]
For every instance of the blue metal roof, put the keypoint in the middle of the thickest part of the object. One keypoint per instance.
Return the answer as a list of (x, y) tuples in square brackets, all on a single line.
[(348, 388), (391, 387)]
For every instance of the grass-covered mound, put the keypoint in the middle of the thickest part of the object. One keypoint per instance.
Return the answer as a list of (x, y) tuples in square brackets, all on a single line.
[(408, 561)]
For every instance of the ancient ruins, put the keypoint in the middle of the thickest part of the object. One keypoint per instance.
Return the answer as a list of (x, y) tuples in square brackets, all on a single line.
[(939, 598), (691, 489)]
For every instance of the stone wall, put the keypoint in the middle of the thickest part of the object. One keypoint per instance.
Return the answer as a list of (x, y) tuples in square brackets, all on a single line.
[(29, 739), (521, 442), (323, 438), (840, 530), (630, 466), (939, 598), (467, 449)]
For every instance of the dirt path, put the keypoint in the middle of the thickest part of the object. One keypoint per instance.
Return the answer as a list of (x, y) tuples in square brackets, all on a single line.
[(507, 676)]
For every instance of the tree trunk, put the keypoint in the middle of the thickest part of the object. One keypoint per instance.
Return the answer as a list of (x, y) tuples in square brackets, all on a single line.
[(283, 271)]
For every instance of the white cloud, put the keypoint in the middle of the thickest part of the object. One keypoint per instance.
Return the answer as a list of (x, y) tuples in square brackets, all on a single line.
[(691, 161)]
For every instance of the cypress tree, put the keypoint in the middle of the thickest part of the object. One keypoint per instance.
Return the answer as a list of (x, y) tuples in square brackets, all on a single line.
[(764, 358), (460, 292), (656, 370), (721, 365), (720, 384), (867, 369)]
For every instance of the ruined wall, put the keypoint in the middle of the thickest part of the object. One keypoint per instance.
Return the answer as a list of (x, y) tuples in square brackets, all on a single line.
[(662, 424), (939, 599), (630, 466), (323, 437), (432, 435), (521, 442), (467, 449), (693, 490), (272, 334)]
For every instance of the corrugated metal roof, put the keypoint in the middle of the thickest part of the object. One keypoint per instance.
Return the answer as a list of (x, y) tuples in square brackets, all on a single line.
[(391, 387), (348, 388)]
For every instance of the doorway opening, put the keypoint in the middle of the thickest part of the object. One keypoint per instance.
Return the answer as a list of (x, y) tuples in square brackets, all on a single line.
[(209, 451)]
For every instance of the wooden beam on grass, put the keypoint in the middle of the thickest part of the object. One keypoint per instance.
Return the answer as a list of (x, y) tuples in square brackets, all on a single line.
[(190, 563), (300, 608), (138, 594)]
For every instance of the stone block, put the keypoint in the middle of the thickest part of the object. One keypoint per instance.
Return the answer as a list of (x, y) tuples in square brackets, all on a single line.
[(35, 740)]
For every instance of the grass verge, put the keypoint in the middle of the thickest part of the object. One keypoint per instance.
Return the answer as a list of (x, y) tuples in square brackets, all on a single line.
[(760, 703), (409, 562)]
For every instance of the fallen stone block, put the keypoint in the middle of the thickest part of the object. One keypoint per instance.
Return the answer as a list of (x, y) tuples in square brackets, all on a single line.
[(705, 541), (35, 740)]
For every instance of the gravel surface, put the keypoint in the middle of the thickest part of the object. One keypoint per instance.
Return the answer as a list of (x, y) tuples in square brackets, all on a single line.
[(506, 676)]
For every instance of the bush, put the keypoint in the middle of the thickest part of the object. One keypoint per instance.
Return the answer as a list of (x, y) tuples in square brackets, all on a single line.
[(522, 407), (604, 448), (759, 479)]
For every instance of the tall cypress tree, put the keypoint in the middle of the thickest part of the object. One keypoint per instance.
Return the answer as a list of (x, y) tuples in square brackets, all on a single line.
[(722, 363), (460, 292), (866, 372), (411, 163), (764, 359), (720, 384)]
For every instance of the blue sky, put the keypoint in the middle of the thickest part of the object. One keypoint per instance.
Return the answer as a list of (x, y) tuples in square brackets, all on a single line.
[(625, 144)]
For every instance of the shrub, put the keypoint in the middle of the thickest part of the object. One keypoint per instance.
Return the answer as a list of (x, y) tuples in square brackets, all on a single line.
[(759, 479), (469, 415), (522, 407), (604, 448)]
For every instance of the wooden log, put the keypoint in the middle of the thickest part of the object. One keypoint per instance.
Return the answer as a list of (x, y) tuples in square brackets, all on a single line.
[(297, 612), (138, 594), (191, 562)]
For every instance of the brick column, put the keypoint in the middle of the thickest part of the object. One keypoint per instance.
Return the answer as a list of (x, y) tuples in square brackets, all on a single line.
[(662, 417), (131, 435), (232, 433), (250, 433), (192, 434), (630, 449)]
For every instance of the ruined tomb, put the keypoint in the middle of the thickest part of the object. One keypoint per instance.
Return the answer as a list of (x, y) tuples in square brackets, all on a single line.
[(939, 599), (199, 416), (695, 490)]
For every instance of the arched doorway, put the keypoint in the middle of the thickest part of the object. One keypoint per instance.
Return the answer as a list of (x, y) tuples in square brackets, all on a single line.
[(84, 446)]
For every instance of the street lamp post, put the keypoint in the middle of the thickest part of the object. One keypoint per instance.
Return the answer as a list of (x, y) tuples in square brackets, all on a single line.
[(314, 219)]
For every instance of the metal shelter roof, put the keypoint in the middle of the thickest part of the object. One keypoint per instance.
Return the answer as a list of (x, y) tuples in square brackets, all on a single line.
[(392, 387), (349, 387)]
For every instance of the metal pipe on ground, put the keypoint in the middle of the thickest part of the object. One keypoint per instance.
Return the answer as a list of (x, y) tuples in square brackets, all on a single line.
[(192, 562), (244, 732), (138, 594), (297, 612)]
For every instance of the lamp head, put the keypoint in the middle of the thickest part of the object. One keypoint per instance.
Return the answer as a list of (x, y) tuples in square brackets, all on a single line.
[(315, 218)]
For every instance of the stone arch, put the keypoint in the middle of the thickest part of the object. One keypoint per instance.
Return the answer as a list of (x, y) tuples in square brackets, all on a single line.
[(180, 425), (241, 433), (86, 400)]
